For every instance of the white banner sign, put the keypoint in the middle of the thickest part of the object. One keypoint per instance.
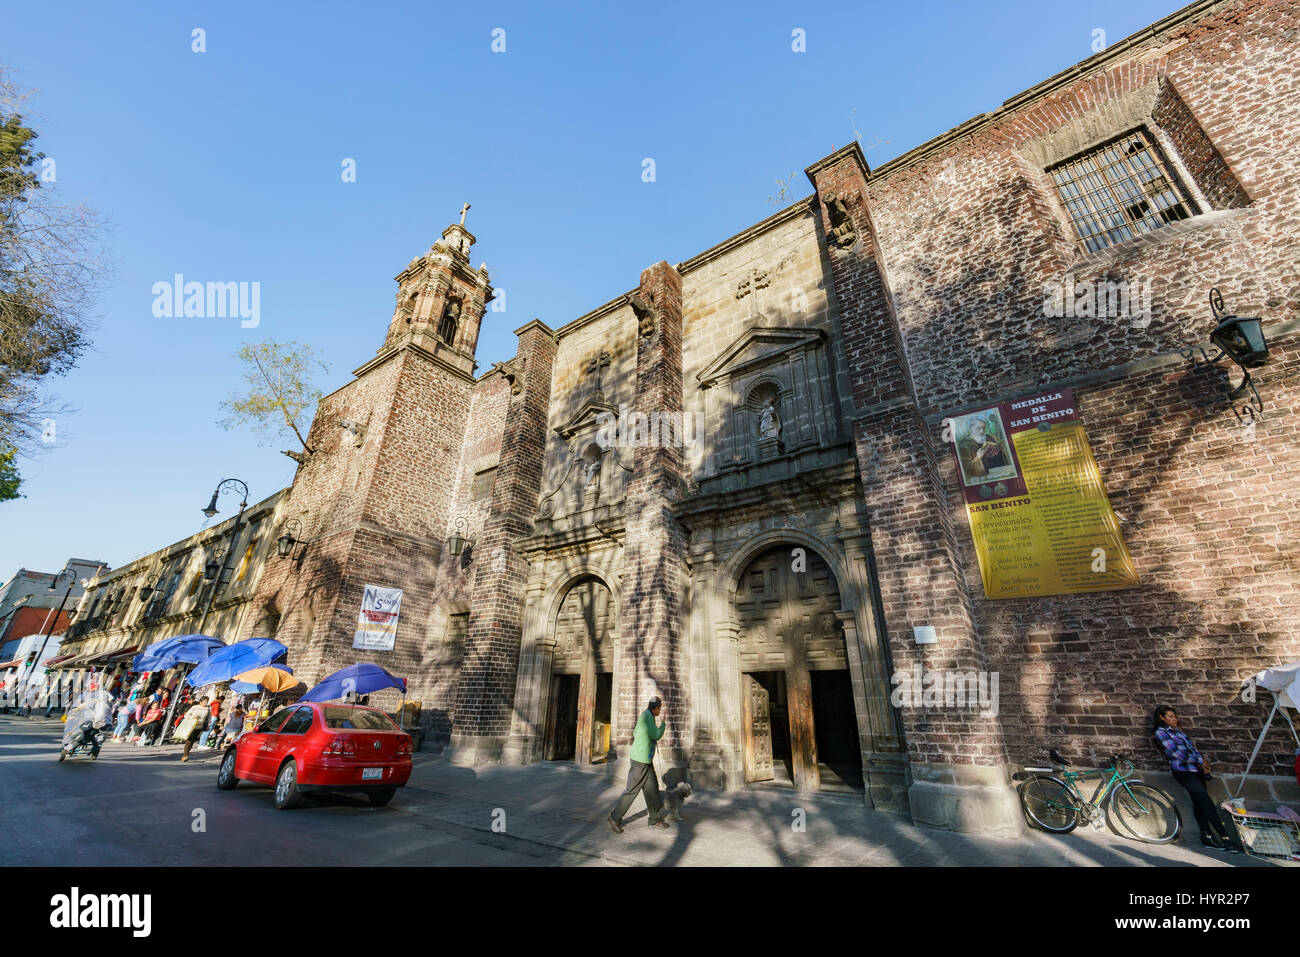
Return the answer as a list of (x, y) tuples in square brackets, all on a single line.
[(377, 623)]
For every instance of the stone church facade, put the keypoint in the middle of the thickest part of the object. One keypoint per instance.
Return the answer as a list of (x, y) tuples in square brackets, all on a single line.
[(730, 486)]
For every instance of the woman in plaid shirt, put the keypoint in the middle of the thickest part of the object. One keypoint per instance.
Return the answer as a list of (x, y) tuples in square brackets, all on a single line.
[(1191, 770)]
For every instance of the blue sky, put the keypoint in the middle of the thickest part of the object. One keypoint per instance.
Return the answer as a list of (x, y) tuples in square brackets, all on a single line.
[(225, 166)]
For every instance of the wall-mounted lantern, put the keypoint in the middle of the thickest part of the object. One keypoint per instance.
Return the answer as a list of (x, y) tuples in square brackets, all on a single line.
[(457, 541), (213, 566), (1241, 339), (290, 531), (147, 588)]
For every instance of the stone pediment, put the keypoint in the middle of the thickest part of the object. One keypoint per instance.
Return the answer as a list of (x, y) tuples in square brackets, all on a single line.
[(759, 346), (587, 417)]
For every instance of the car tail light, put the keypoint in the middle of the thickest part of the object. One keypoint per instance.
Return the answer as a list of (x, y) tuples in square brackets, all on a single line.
[(404, 746)]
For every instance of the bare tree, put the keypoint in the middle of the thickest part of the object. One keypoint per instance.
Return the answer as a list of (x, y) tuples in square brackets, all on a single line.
[(52, 267), (278, 391), (784, 193)]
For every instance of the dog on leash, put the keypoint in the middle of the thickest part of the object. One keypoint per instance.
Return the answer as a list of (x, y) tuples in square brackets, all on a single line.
[(674, 798)]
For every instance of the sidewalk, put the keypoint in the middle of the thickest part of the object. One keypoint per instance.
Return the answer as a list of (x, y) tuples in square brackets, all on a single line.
[(562, 806)]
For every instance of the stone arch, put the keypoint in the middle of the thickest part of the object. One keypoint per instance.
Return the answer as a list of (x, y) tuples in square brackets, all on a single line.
[(578, 679), (558, 589), (765, 387), (867, 680), (449, 322), (734, 566)]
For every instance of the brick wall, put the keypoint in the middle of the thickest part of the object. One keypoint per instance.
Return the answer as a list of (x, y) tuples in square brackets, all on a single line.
[(969, 235), (652, 629), (487, 684)]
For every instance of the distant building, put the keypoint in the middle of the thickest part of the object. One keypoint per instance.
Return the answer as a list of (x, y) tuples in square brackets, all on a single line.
[(168, 592), (26, 602)]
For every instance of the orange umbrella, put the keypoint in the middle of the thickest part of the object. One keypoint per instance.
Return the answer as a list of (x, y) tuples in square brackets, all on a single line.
[(269, 679)]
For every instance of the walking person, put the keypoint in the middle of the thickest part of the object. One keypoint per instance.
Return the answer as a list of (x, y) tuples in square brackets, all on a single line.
[(124, 717), (1191, 770), (641, 777), (197, 715), (29, 700)]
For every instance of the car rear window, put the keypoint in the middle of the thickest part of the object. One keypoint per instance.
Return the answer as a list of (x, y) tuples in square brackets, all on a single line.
[(356, 719)]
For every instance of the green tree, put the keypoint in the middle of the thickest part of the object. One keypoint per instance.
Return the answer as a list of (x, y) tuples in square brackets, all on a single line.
[(9, 478), (278, 391)]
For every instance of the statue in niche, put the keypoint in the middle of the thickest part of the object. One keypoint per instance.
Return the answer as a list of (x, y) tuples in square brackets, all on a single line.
[(842, 231), (591, 473), (450, 321), (769, 423)]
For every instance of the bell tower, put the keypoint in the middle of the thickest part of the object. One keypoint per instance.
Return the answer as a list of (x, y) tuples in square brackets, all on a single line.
[(375, 496), (441, 299)]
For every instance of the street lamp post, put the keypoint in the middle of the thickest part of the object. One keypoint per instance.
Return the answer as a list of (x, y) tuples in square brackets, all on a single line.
[(210, 512)]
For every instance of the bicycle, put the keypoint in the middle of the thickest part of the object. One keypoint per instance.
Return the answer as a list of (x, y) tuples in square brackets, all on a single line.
[(1052, 801)]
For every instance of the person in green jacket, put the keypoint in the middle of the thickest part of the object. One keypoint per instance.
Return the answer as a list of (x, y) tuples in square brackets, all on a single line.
[(642, 777)]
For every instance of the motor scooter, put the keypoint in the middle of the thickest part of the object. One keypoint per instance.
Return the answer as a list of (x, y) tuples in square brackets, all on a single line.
[(87, 725)]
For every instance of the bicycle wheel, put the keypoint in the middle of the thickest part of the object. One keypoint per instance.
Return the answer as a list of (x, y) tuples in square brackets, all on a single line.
[(1145, 813), (1049, 804)]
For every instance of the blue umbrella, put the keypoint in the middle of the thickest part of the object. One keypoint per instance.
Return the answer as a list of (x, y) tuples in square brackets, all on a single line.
[(193, 649), (190, 649), (159, 648), (147, 662), (226, 662), (159, 657), (361, 678)]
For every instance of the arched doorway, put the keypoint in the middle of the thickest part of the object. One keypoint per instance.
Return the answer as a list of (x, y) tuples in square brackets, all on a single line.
[(579, 711), (799, 726)]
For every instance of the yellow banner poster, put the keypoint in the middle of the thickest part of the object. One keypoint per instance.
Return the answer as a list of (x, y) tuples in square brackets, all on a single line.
[(1039, 514)]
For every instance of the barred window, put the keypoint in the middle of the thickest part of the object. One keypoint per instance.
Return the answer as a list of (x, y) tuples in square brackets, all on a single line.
[(483, 484), (1120, 190)]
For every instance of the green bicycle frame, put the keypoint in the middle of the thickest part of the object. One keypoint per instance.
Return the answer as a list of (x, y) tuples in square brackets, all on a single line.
[(1071, 779)]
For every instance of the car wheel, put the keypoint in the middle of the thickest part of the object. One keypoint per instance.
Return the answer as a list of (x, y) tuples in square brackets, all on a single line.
[(380, 798), (226, 779), (287, 795), (62, 755)]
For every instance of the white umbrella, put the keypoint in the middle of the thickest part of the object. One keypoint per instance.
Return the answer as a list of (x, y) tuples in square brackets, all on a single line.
[(1283, 683)]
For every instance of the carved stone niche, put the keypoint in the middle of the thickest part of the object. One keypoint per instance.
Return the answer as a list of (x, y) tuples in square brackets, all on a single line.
[(767, 395), (592, 473)]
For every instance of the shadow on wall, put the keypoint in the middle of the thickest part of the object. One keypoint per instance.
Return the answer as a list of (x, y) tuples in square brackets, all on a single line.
[(1083, 672)]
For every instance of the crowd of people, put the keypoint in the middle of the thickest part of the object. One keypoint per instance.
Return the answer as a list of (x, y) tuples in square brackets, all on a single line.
[(142, 713), (141, 706)]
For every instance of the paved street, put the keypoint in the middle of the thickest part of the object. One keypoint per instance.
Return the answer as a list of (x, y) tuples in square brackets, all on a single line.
[(137, 806)]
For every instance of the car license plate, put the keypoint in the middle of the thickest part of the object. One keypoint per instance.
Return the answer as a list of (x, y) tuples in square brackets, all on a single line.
[(371, 774)]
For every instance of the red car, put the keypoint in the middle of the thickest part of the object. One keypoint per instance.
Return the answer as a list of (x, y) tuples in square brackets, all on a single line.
[(321, 747)]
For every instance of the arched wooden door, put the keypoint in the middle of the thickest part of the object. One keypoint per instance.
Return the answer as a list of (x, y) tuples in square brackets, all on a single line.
[(580, 709), (798, 710)]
